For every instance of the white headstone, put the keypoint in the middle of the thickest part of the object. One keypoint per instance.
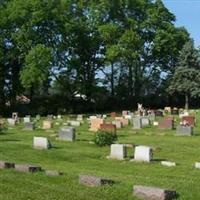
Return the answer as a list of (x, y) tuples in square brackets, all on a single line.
[(41, 143), (143, 153), (197, 165), (168, 164), (118, 151), (11, 121), (27, 119)]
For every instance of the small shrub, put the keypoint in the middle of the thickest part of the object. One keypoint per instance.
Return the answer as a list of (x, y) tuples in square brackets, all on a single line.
[(103, 138)]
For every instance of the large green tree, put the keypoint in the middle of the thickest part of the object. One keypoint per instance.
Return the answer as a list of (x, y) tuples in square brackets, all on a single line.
[(186, 78)]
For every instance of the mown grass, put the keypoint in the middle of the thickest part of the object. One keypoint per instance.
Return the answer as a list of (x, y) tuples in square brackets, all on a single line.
[(81, 157)]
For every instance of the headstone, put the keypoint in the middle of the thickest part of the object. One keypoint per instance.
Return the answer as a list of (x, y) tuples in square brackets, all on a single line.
[(104, 116), (118, 151), (118, 124), (27, 168), (47, 124), (167, 123), (6, 165), (125, 112), (95, 124), (15, 116), (151, 193), (129, 117), (158, 113), (145, 121), (184, 130), (137, 123), (108, 128), (190, 120), (41, 143), (155, 123), (174, 112), (124, 121), (184, 114), (29, 126), (53, 173), (59, 116), (27, 119), (67, 134), (197, 165), (143, 154), (79, 117), (37, 117), (152, 117), (167, 110), (94, 181), (168, 164), (75, 123), (11, 122)]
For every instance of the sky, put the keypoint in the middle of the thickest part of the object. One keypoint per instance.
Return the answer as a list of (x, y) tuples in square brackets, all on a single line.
[(187, 14)]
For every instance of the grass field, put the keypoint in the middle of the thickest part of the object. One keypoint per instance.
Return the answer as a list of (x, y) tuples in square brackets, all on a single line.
[(81, 157)]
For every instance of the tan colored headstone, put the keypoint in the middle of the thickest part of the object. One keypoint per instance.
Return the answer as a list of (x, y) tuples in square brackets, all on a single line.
[(95, 124), (47, 125)]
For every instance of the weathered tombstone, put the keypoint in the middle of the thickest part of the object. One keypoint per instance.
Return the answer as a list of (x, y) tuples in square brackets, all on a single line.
[(6, 165), (129, 117), (168, 164), (155, 123), (15, 116), (108, 128), (125, 112), (124, 121), (104, 116), (151, 193), (158, 113), (118, 124), (75, 123), (152, 117), (59, 116), (95, 124), (67, 134), (11, 122), (94, 181), (197, 165), (145, 121), (79, 117), (27, 119), (29, 126), (41, 143), (47, 124), (167, 123), (174, 112), (190, 120), (27, 168), (53, 173), (143, 154), (183, 114), (167, 110), (37, 117), (184, 130), (137, 123), (118, 151)]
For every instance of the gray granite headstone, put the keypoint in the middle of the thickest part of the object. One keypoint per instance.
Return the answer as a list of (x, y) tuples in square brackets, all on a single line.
[(30, 126), (184, 130), (27, 168), (41, 143), (137, 123), (67, 134)]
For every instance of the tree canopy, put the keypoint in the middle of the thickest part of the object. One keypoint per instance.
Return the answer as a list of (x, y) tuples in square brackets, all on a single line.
[(114, 53)]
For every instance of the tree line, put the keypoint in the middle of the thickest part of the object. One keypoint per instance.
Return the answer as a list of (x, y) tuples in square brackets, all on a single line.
[(92, 55)]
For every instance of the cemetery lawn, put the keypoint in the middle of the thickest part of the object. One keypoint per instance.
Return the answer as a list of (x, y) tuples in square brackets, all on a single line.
[(81, 157)]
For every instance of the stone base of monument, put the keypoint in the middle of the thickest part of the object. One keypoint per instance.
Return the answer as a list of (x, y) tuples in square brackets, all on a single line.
[(151, 193), (93, 181), (6, 165)]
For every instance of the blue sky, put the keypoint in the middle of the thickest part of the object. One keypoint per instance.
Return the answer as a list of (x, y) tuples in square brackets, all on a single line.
[(187, 14)]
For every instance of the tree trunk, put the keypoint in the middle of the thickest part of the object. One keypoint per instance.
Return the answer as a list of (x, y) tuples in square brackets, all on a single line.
[(186, 101)]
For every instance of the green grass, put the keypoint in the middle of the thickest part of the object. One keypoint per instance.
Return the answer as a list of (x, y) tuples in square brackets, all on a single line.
[(81, 157)]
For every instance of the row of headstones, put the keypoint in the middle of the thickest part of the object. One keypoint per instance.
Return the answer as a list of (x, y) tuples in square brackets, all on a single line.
[(27, 168), (141, 154), (139, 191), (168, 123)]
